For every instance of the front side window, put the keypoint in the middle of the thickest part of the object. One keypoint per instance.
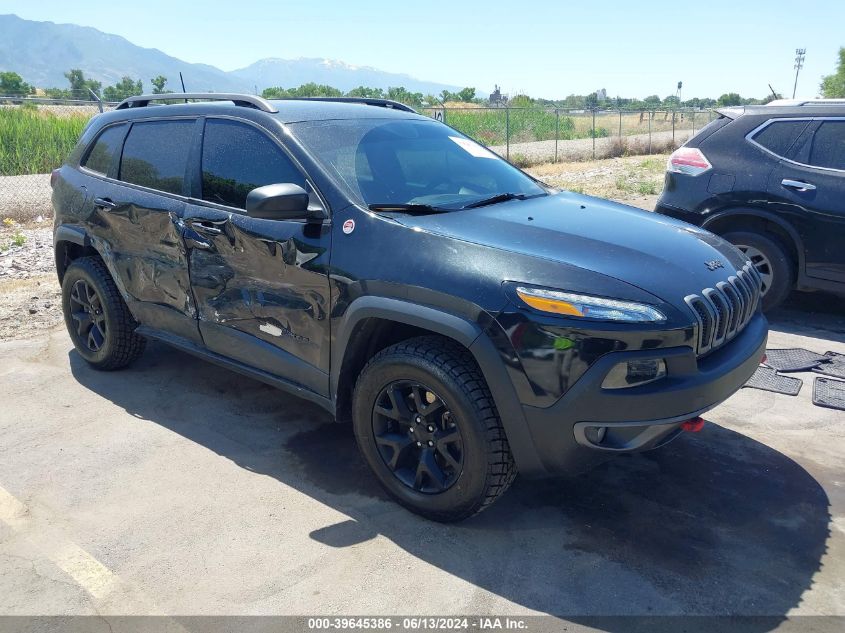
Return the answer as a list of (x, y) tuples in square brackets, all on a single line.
[(106, 147), (411, 162), (156, 153), (828, 148), (779, 136), (237, 158)]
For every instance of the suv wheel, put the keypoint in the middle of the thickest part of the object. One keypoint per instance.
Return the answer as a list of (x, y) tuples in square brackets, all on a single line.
[(426, 423), (100, 325), (772, 262)]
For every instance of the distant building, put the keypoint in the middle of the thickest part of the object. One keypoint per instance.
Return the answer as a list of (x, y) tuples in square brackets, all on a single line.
[(497, 98), (601, 94)]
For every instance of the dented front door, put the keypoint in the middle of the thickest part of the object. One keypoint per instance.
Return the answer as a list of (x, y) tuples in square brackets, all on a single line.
[(262, 292)]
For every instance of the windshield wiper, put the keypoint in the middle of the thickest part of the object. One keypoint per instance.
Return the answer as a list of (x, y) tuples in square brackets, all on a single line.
[(407, 208), (499, 197)]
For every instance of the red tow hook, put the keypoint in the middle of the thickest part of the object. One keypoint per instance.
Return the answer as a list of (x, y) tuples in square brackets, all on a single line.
[(693, 426)]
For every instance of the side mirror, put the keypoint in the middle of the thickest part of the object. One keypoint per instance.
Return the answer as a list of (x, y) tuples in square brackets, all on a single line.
[(283, 201)]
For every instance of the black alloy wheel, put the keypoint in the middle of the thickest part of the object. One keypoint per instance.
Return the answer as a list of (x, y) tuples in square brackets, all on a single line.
[(86, 312), (417, 437)]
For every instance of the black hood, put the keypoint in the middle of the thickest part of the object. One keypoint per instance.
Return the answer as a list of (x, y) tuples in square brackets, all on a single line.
[(665, 257)]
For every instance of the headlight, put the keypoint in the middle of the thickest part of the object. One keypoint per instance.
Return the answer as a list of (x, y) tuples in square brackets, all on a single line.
[(585, 306)]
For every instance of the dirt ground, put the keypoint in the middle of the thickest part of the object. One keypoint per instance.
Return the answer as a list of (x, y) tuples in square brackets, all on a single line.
[(30, 300)]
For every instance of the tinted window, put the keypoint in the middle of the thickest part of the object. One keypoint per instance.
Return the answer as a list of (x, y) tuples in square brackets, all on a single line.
[(155, 154), (779, 136), (237, 158), (829, 145), (100, 157)]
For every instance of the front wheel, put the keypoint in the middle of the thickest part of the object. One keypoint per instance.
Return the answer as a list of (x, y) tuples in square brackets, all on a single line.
[(426, 424), (772, 262)]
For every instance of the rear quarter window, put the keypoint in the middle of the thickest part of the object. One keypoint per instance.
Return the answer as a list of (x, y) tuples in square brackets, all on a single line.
[(155, 154), (102, 153), (779, 136), (828, 148)]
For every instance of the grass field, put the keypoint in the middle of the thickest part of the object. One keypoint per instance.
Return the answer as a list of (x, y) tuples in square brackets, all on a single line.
[(35, 142), (489, 125)]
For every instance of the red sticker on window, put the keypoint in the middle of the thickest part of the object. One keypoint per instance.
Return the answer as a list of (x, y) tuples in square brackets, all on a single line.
[(349, 226)]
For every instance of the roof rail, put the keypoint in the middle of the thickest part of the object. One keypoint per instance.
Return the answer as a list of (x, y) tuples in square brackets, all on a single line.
[(806, 102), (382, 103), (243, 100)]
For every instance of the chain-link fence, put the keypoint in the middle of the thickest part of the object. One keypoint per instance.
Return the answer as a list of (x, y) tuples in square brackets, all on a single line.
[(37, 134), (528, 136)]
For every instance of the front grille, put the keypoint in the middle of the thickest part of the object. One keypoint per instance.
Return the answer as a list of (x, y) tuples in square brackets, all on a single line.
[(724, 311)]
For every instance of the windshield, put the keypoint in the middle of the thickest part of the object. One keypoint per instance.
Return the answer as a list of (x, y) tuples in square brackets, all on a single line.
[(413, 162)]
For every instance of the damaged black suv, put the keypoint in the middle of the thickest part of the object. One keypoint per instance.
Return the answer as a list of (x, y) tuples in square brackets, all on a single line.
[(469, 320)]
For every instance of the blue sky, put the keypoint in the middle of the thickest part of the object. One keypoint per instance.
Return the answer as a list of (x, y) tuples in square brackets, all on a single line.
[(543, 48)]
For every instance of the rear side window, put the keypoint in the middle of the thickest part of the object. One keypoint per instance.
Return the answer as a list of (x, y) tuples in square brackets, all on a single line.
[(779, 136), (828, 148), (237, 158), (156, 153), (105, 148)]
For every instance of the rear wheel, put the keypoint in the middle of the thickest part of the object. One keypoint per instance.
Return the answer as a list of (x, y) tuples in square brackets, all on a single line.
[(98, 321), (426, 423), (772, 262)]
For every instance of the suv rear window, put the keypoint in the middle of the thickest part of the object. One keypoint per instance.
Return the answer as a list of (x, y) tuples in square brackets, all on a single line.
[(156, 153), (829, 145), (102, 154), (237, 158), (779, 136)]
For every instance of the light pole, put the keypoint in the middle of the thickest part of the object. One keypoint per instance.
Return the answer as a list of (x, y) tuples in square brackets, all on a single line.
[(799, 63)]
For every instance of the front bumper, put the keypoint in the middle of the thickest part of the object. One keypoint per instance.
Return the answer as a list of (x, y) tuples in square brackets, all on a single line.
[(639, 418)]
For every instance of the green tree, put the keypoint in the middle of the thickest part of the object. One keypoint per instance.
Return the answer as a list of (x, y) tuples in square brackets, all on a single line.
[(833, 86), (402, 95), (729, 99), (126, 87), (366, 93), (80, 86), (652, 101), (467, 95), (446, 96), (158, 85), (592, 100), (671, 101), (12, 84), (771, 97)]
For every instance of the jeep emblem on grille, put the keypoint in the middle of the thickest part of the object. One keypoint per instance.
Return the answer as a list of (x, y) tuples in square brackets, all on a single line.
[(714, 264)]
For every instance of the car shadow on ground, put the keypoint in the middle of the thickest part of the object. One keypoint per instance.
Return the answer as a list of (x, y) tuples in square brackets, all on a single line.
[(714, 523), (811, 314)]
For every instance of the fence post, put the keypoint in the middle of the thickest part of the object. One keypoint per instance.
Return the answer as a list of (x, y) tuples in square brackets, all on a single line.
[(557, 129), (507, 133), (673, 129), (594, 133), (648, 114)]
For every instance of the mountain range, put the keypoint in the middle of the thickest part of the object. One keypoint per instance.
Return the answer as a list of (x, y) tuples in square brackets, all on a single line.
[(41, 52)]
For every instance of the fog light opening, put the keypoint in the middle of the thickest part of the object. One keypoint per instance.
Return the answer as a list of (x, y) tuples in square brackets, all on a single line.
[(634, 373), (595, 434)]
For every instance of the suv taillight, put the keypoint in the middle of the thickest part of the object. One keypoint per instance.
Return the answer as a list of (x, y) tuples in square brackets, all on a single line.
[(688, 160)]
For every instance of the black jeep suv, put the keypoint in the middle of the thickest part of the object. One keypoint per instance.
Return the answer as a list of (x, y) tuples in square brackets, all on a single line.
[(771, 180), (466, 318)]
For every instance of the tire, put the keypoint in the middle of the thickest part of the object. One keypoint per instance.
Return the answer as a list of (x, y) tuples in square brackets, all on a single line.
[(99, 323), (470, 448), (772, 261)]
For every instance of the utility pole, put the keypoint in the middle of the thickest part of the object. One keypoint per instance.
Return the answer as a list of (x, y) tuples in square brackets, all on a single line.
[(799, 64)]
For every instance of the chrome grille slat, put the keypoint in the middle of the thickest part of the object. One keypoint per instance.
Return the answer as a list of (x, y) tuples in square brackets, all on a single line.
[(723, 312)]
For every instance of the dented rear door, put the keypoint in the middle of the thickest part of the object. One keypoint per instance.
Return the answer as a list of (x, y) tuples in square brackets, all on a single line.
[(136, 217)]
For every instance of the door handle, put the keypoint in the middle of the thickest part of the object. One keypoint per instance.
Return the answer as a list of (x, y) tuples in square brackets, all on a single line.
[(797, 185), (104, 203), (206, 227)]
